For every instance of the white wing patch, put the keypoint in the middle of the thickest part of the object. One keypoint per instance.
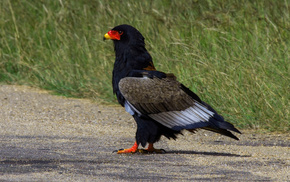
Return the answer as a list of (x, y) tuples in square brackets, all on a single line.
[(177, 119), (131, 109), (192, 115)]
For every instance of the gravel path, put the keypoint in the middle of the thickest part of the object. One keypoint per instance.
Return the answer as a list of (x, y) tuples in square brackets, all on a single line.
[(53, 138)]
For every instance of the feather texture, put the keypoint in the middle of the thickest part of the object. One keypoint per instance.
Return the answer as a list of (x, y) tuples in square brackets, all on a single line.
[(165, 101)]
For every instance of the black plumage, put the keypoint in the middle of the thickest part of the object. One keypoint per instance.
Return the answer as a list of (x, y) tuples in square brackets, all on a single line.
[(159, 104)]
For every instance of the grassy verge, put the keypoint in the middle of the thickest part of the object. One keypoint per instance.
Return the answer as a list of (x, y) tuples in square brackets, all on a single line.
[(234, 54)]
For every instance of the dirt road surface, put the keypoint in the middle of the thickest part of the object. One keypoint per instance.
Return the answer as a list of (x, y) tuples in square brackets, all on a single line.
[(44, 137)]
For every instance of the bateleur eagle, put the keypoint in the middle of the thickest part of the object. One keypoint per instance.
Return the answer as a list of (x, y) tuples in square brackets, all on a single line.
[(159, 103)]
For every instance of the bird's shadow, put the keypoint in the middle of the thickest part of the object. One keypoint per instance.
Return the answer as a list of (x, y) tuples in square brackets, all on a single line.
[(205, 153)]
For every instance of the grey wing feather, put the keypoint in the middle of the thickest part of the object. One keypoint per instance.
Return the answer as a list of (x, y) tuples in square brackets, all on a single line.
[(164, 101)]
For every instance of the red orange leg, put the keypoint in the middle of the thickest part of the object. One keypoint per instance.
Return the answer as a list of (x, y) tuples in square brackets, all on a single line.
[(133, 149), (151, 149)]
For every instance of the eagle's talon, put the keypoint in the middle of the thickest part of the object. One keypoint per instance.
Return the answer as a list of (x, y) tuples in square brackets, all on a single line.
[(154, 151), (133, 149)]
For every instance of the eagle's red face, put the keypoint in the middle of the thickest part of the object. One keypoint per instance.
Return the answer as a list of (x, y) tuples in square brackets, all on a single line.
[(113, 35)]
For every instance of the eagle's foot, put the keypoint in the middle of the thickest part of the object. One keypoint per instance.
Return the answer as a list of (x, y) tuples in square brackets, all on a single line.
[(126, 151), (133, 149), (154, 151)]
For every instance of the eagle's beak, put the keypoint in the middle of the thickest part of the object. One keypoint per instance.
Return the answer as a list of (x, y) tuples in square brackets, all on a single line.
[(107, 36)]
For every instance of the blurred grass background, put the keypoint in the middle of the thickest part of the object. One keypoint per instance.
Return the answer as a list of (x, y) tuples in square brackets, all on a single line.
[(233, 53)]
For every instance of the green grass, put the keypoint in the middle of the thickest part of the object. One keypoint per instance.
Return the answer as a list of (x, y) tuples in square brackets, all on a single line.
[(233, 53)]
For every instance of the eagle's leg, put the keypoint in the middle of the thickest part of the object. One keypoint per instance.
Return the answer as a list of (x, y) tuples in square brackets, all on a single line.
[(151, 149), (133, 149)]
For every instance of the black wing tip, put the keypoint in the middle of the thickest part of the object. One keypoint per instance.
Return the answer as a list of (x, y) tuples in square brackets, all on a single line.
[(218, 122), (231, 127), (222, 132), (234, 137), (237, 131)]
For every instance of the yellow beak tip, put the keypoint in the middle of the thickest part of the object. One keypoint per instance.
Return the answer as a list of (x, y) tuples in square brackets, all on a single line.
[(107, 36)]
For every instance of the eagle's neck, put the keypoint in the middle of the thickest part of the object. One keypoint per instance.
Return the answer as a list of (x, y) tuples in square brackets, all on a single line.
[(131, 56), (128, 58)]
